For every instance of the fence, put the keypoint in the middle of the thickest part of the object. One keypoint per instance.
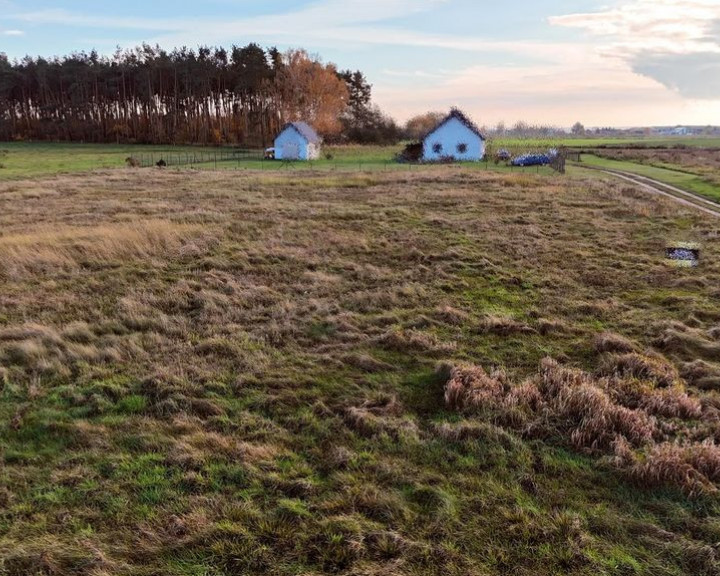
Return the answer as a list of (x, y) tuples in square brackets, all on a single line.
[(240, 159), (195, 158)]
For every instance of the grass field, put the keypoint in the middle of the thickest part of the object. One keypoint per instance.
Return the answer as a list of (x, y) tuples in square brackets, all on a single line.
[(647, 141), (25, 160), (350, 373), (702, 180)]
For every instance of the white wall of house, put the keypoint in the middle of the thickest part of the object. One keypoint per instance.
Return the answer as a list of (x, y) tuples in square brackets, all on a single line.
[(291, 145), (313, 151), (450, 136)]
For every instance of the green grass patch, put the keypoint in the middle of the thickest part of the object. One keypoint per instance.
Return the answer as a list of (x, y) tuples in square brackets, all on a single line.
[(675, 177)]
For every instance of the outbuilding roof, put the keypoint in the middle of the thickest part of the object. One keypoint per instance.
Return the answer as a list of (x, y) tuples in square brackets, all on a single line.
[(458, 114), (305, 130)]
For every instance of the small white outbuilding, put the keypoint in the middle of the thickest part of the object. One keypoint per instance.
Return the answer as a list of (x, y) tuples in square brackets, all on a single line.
[(297, 141), (455, 138)]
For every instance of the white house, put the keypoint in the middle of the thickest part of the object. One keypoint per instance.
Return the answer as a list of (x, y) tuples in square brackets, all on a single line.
[(297, 141), (456, 138)]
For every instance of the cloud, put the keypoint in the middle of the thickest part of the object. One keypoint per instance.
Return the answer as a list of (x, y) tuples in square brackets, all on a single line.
[(675, 42), (596, 91), (324, 22), (316, 15), (12, 33), (67, 18), (714, 30), (695, 75)]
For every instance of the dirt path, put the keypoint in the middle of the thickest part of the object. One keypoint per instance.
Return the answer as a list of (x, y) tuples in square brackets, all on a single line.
[(655, 187)]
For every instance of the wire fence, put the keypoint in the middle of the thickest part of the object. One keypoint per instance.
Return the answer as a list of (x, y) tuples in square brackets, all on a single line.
[(239, 159), (195, 158)]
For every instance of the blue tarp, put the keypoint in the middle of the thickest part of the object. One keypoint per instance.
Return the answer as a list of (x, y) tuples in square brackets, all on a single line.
[(531, 160), (535, 159)]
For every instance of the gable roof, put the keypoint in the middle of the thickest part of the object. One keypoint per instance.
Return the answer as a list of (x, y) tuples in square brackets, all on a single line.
[(305, 130), (459, 115)]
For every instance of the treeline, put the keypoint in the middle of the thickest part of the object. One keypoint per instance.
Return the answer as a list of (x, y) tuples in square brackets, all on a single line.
[(206, 96)]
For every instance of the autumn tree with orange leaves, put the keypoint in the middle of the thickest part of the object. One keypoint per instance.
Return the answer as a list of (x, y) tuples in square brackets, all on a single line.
[(311, 91)]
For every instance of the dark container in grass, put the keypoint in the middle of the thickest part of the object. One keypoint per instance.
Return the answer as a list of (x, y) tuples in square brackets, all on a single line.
[(684, 254)]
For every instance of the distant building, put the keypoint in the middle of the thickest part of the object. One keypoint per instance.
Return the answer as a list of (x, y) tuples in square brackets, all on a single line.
[(676, 131), (297, 141), (455, 138)]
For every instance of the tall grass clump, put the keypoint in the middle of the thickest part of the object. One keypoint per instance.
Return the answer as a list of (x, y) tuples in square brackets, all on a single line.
[(633, 415)]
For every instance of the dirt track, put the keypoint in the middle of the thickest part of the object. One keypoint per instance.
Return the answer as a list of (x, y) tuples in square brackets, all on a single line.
[(655, 187)]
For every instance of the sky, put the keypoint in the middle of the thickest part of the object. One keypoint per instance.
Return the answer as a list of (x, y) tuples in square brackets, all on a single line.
[(602, 63)]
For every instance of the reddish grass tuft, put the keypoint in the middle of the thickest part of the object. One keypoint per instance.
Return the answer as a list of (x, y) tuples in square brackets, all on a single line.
[(568, 401), (634, 365), (621, 416), (672, 403), (470, 387), (504, 326), (692, 468), (450, 315), (594, 422), (415, 341), (701, 374), (610, 342)]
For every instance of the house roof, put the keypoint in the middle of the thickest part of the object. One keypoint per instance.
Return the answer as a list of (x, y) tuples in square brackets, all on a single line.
[(459, 115), (305, 130)]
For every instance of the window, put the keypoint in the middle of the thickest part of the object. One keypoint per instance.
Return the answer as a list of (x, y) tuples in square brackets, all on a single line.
[(437, 148), (462, 148)]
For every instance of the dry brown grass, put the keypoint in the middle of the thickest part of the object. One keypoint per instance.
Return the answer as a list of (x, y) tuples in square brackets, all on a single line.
[(652, 368), (415, 341), (672, 402), (580, 406), (702, 374), (382, 417), (592, 414), (694, 468), (609, 342), (470, 387), (503, 325), (240, 369), (49, 250)]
